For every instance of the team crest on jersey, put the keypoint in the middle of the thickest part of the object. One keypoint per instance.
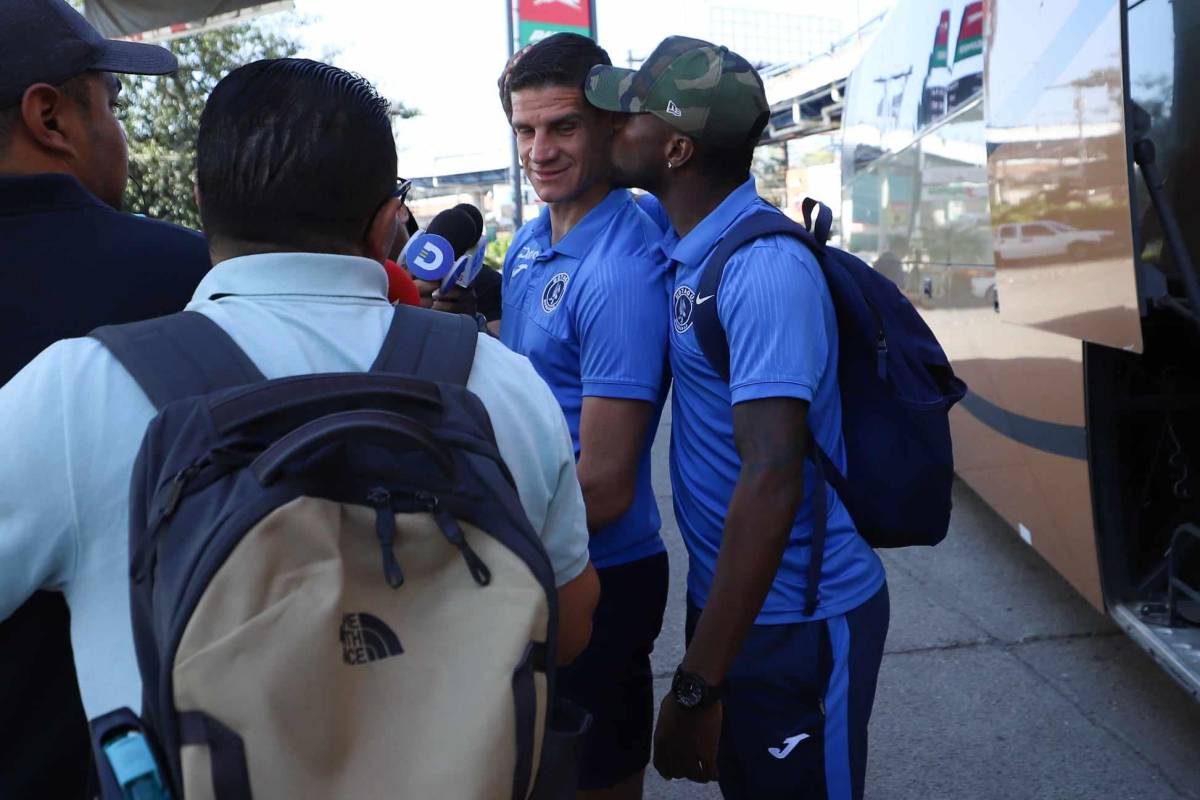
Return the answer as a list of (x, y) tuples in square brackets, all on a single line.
[(552, 295), (684, 305)]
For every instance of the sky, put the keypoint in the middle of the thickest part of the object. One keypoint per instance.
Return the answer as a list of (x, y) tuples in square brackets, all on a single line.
[(443, 57)]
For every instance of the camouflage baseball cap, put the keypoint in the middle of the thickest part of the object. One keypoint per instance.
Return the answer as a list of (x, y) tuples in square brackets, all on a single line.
[(699, 88)]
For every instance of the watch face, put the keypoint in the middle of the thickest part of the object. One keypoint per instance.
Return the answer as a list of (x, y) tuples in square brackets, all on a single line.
[(688, 691)]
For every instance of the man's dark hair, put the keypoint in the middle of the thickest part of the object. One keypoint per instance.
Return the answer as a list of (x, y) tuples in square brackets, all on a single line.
[(76, 88), (8, 119), (731, 164), (563, 59), (294, 153)]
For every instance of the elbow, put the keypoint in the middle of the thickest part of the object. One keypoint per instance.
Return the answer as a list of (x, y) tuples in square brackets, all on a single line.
[(576, 606), (606, 497), (777, 485), (572, 641)]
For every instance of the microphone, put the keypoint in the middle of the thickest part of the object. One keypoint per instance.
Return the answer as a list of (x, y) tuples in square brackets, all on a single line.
[(475, 214), (466, 270), (441, 251), (451, 234)]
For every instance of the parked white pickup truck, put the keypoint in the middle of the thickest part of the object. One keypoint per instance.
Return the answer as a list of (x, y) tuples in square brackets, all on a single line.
[(1044, 239)]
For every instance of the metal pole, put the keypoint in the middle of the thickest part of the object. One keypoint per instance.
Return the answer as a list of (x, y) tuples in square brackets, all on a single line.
[(515, 166), (592, 20)]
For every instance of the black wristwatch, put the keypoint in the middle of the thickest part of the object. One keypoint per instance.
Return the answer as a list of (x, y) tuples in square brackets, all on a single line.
[(693, 692)]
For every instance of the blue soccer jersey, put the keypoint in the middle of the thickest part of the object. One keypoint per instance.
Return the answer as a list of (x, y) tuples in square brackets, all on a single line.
[(587, 312), (655, 211), (778, 316)]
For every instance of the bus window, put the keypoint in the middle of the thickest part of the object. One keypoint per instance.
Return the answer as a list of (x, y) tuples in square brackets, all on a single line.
[(1163, 39)]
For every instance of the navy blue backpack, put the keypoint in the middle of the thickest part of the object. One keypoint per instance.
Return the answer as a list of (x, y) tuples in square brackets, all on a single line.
[(335, 591), (897, 388)]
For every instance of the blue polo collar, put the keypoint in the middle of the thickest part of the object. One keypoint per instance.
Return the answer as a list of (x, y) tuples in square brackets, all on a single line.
[(304, 274), (578, 242), (695, 247)]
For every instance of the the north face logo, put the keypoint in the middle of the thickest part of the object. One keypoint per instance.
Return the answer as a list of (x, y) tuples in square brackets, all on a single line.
[(673, 109), (366, 638)]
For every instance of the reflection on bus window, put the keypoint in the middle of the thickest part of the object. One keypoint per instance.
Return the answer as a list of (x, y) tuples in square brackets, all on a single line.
[(931, 69), (1161, 82), (920, 216)]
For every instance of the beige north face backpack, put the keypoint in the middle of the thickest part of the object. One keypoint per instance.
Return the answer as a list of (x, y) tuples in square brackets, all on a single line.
[(335, 590)]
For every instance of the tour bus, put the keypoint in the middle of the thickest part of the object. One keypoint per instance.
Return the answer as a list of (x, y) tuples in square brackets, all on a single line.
[(998, 162)]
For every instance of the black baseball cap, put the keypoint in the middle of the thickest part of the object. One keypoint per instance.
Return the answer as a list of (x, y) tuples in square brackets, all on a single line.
[(47, 41)]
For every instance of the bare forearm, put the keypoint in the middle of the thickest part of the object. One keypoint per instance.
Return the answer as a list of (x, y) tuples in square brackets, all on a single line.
[(757, 528)]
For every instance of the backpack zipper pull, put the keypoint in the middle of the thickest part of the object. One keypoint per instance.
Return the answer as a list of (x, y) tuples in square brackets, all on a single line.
[(178, 484), (454, 534), (385, 529)]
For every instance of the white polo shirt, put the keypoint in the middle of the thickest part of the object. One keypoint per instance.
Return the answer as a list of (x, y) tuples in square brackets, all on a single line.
[(72, 421)]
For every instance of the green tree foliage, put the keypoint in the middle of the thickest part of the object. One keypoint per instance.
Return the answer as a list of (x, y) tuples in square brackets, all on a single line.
[(163, 113), (497, 249)]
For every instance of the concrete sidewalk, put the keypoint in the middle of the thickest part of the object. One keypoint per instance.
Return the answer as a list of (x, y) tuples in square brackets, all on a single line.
[(998, 682)]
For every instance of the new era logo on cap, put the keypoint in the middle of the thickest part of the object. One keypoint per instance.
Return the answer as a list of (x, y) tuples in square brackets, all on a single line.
[(673, 109)]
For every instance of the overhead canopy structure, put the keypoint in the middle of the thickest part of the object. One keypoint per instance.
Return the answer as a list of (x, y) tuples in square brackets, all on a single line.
[(157, 20), (807, 97)]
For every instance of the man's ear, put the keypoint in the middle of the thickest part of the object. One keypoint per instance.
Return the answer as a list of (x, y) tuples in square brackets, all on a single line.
[(680, 150), (382, 233), (45, 112)]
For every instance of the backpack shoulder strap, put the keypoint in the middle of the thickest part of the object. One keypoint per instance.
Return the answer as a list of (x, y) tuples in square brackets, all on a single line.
[(824, 220), (179, 355), (713, 342), (709, 333), (432, 345)]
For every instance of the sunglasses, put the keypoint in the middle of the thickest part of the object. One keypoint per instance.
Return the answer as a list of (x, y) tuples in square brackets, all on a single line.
[(402, 187)]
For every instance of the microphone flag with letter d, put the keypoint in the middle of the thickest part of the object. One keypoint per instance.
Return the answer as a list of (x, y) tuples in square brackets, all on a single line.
[(430, 257)]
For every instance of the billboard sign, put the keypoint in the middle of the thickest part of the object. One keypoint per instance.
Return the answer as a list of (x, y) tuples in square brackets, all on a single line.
[(541, 18), (970, 33)]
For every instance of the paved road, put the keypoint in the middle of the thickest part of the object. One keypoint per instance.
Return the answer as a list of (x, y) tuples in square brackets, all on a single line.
[(998, 682)]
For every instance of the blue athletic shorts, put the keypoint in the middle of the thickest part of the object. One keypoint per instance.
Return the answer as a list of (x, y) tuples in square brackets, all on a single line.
[(796, 706), (612, 678)]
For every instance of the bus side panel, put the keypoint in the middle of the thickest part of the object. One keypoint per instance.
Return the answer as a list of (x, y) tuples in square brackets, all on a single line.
[(1042, 495), (1019, 435), (916, 205), (1059, 171)]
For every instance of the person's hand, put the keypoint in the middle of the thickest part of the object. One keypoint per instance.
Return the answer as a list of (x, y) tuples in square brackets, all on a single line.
[(686, 740), (455, 300), (426, 290)]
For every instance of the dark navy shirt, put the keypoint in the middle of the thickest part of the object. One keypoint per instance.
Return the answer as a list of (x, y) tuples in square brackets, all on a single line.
[(777, 313), (68, 264), (587, 312)]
